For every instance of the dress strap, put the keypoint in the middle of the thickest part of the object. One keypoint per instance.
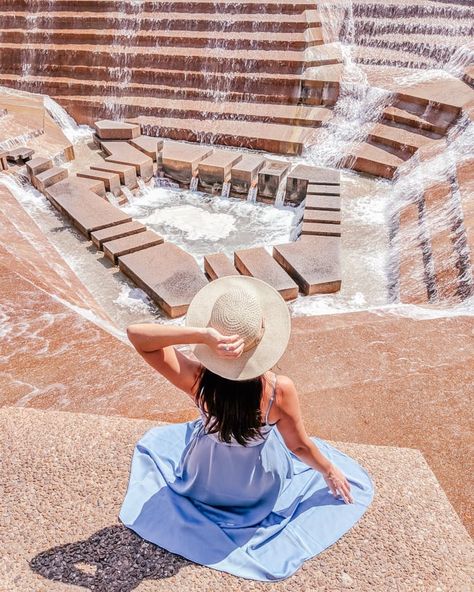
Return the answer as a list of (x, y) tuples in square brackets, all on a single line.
[(272, 398)]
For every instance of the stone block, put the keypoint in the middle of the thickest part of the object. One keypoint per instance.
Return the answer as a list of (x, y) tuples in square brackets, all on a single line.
[(49, 177), (216, 167), (323, 202), (323, 216), (99, 237), (180, 161), (124, 153), (126, 172), (302, 176), (322, 189), (38, 165), (20, 154), (116, 130), (244, 174), (149, 145), (110, 180), (258, 263), (269, 178), (86, 210), (130, 244), (314, 263), (218, 265), (320, 229), (169, 275)]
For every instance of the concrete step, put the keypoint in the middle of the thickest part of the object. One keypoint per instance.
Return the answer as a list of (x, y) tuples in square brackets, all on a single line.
[(218, 265), (149, 146), (126, 172), (169, 275), (410, 120), (216, 167), (406, 546), (181, 161), (323, 202), (258, 263), (108, 129), (49, 177), (321, 228), (374, 160), (405, 142), (115, 248), (244, 174), (321, 216), (125, 154), (110, 180), (99, 237)]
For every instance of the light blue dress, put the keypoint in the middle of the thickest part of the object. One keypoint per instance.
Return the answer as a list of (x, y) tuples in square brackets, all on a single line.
[(254, 511)]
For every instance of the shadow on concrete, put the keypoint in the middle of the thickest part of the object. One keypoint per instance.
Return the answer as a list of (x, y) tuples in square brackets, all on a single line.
[(113, 559)]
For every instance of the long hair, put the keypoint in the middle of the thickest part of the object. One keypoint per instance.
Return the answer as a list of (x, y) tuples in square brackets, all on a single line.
[(232, 407)]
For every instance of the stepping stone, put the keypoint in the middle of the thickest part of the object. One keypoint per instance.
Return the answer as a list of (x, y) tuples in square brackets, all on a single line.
[(180, 161), (216, 167), (126, 172), (313, 263), (245, 173), (324, 189), (38, 165), (269, 179), (149, 145), (304, 179), (320, 229), (317, 175), (99, 237), (323, 202), (116, 130), (110, 180), (218, 265), (169, 275), (258, 263), (124, 153), (322, 216), (86, 209), (20, 154), (130, 244), (49, 177)]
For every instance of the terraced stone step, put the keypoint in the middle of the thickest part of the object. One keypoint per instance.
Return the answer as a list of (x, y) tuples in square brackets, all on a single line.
[(108, 129), (321, 216), (181, 161), (218, 265), (216, 167), (313, 262), (125, 154), (270, 177), (49, 177), (37, 165), (99, 237), (323, 202), (118, 247), (405, 142), (402, 117), (169, 275), (304, 179), (244, 174), (149, 146), (373, 160), (111, 180), (126, 172), (258, 263)]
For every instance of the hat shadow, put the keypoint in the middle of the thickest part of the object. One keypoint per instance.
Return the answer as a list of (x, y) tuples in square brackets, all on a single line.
[(113, 559)]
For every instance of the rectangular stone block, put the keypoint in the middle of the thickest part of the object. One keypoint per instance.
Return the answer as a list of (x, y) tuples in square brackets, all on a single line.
[(116, 130), (130, 244), (323, 202), (124, 153), (110, 180), (324, 189), (38, 165), (258, 263), (149, 145), (49, 177), (169, 275), (303, 179), (216, 167), (86, 210), (314, 263), (218, 265), (3, 160), (323, 216), (320, 229), (269, 178), (126, 172), (22, 153), (244, 173), (180, 161), (99, 237)]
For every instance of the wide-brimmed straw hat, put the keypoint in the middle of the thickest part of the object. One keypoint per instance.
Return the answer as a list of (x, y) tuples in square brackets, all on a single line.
[(245, 306)]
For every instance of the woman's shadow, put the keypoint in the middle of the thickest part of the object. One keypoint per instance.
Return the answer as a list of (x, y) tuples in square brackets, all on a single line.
[(113, 559)]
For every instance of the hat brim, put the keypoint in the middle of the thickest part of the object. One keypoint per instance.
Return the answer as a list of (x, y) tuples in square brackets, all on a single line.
[(277, 323)]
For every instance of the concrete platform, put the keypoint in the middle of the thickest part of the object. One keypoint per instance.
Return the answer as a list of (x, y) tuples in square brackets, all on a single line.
[(180, 161), (218, 265), (86, 210), (130, 244), (49, 177), (320, 229), (169, 275), (245, 173), (127, 173), (323, 202), (61, 508), (99, 237), (38, 165), (111, 180), (270, 177), (216, 167), (108, 129), (257, 262), (314, 263), (148, 145), (124, 153)]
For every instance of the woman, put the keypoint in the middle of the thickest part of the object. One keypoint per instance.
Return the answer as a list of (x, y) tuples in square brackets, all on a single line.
[(242, 489)]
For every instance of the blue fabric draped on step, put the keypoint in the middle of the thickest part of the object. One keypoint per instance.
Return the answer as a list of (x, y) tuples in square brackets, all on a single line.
[(256, 511)]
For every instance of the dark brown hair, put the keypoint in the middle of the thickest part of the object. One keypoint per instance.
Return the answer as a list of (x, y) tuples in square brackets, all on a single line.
[(232, 407)]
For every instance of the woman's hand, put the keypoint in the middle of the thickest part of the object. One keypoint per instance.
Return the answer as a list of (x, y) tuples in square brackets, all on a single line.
[(338, 484), (225, 346)]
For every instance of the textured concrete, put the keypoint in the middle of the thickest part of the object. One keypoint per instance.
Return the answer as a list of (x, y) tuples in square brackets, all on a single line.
[(322, 216), (323, 202), (65, 476)]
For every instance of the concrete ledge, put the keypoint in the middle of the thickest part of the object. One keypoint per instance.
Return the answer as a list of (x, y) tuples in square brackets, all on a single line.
[(269, 178), (323, 202), (60, 508), (216, 167)]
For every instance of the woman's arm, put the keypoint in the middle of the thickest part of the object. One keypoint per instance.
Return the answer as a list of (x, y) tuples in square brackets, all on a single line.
[(291, 427), (154, 342)]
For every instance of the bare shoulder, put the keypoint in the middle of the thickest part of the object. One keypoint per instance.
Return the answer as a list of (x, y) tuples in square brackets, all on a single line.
[(285, 391)]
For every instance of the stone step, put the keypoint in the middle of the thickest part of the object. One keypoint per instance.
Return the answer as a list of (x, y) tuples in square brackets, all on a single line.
[(270, 177), (125, 154), (406, 142), (111, 180), (323, 202), (49, 177), (127, 173), (406, 545), (322, 216), (20, 154), (320, 229), (216, 167), (395, 115), (38, 165), (181, 161), (244, 174), (169, 275), (108, 129), (313, 262), (257, 262), (148, 145), (218, 265), (99, 237), (324, 190), (87, 211), (373, 160), (130, 244), (304, 179)]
